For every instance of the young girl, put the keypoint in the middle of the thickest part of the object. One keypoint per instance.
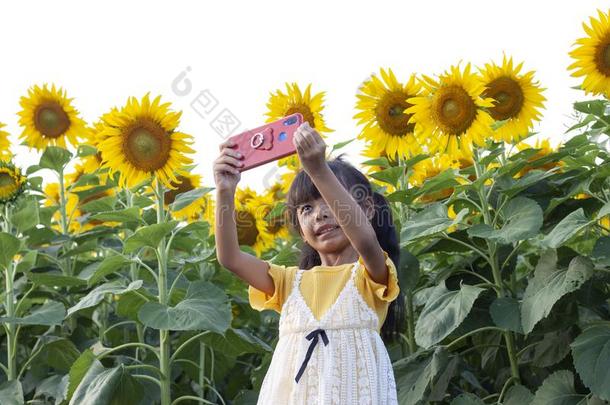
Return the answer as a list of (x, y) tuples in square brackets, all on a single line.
[(333, 304)]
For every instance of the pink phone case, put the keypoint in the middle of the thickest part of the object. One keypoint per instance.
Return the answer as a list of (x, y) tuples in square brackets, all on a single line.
[(268, 142)]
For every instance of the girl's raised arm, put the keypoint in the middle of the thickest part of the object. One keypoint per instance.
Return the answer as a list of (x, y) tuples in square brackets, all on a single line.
[(350, 216), (247, 267)]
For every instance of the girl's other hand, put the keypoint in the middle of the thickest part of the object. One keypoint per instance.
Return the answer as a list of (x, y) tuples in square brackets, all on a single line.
[(311, 148), (226, 174)]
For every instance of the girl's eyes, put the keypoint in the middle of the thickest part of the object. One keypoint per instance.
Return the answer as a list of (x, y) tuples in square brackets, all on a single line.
[(305, 207)]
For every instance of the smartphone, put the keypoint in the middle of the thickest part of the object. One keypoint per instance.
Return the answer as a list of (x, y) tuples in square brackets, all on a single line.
[(267, 143)]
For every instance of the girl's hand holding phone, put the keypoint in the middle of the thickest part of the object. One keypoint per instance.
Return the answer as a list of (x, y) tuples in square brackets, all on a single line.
[(311, 148), (226, 172)]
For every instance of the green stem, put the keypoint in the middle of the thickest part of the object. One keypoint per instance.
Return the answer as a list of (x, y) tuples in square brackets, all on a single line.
[(64, 219), (410, 308), (164, 338), (202, 369), (133, 271), (10, 328), (495, 269)]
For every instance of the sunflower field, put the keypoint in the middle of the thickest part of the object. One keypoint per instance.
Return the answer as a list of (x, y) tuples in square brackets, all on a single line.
[(112, 293)]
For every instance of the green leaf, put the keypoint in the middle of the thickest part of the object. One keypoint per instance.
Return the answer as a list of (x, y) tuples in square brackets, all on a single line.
[(444, 313), (430, 221), (27, 217), (566, 229), (55, 158), (390, 175), (11, 393), (467, 399), (558, 389), (380, 161), (127, 215), (276, 211), (78, 371), (50, 313), (236, 342), (440, 182), (86, 150), (408, 270), (55, 279), (183, 200), (101, 386), (10, 247), (549, 285), (518, 395), (97, 295), (591, 353), (595, 107), (601, 250), (99, 204), (205, 307), (506, 314), (522, 220), (59, 353), (419, 374), (340, 145), (149, 236), (97, 271)]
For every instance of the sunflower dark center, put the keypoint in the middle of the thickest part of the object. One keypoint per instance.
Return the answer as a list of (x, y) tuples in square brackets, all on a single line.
[(390, 114), (453, 109), (508, 97), (247, 232), (147, 145), (51, 120), (305, 111), (602, 56), (6, 180), (184, 186)]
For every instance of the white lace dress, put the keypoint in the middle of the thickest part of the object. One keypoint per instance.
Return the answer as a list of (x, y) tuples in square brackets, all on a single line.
[(348, 362)]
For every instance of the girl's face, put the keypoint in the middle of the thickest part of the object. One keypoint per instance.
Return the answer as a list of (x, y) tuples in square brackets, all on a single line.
[(319, 228)]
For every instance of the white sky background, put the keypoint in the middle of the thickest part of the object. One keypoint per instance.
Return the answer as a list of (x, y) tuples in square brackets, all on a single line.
[(104, 52)]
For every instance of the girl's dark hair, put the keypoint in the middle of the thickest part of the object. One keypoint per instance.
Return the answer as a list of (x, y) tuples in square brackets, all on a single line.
[(303, 190)]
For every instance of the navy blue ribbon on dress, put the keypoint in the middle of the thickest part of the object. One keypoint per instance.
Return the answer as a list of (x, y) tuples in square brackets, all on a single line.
[(313, 335)]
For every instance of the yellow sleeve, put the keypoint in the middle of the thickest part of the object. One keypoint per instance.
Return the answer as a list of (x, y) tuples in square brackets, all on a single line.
[(381, 291), (260, 300)]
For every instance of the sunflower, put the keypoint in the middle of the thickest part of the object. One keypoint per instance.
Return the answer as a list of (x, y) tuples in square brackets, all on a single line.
[(205, 211), (12, 183), (48, 118), (517, 99), (5, 145), (281, 104), (450, 114), (294, 101), (140, 141), (292, 167), (545, 149), (186, 182), (381, 106), (276, 191), (429, 168), (276, 226), (593, 56), (251, 225)]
